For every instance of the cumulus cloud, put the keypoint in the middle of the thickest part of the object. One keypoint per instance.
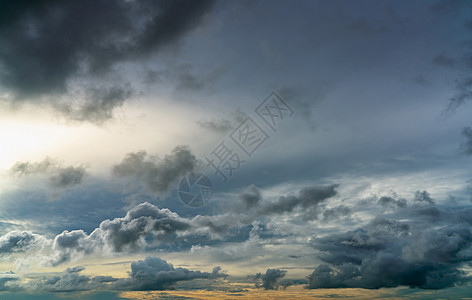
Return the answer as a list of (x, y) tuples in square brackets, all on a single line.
[(47, 44), (143, 226), (416, 247), (157, 175), (270, 280), (251, 196), (59, 177), (19, 241), (154, 273)]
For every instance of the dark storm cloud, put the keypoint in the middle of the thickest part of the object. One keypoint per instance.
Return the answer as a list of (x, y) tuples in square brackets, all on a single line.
[(59, 177), (154, 273), (139, 223), (47, 43), (250, 196), (408, 248), (157, 175), (270, 280), (307, 198)]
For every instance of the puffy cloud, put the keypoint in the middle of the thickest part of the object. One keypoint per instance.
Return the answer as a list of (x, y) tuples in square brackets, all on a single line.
[(157, 175), (59, 177), (143, 226), (251, 196), (19, 241), (154, 273), (140, 223), (411, 247), (270, 280)]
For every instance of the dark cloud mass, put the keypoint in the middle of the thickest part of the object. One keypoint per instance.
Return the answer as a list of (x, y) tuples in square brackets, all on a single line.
[(414, 247), (59, 177), (270, 280), (154, 273), (18, 241), (251, 196), (157, 175), (47, 43), (307, 198)]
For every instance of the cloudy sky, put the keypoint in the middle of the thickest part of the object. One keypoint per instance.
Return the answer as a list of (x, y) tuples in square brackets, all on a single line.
[(235, 149)]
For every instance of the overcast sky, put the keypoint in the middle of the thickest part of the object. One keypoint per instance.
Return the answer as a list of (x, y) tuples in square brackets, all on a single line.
[(336, 137)]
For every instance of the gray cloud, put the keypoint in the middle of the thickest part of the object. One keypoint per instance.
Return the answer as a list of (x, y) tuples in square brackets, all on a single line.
[(154, 273), (336, 212), (409, 248), (18, 241), (270, 280), (68, 281), (391, 202), (223, 125), (157, 175), (466, 146), (95, 104), (141, 222), (307, 198), (59, 177), (67, 177), (47, 43), (250, 196), (143, 226), (423, 197)]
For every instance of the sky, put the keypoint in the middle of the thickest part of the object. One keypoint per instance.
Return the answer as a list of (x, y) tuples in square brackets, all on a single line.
[(235, 149)]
